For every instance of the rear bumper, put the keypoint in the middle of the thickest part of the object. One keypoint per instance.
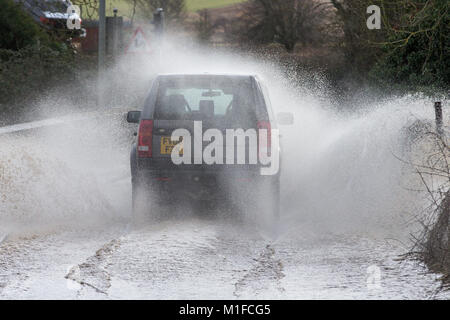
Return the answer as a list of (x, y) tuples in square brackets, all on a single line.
[(202, 183)]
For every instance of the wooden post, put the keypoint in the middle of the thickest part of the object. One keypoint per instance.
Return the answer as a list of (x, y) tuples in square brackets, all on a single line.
[(438, 113)]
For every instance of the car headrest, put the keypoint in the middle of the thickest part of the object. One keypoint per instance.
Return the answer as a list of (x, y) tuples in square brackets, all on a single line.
[(176, 103), (206, 107)]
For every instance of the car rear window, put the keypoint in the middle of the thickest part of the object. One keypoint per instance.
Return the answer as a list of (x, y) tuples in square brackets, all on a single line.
[(191, 98)]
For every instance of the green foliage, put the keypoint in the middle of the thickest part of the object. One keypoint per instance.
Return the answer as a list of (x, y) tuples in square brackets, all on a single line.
[(416, 54), (409, 53), (30, 71), (17, 28), (31, 60)]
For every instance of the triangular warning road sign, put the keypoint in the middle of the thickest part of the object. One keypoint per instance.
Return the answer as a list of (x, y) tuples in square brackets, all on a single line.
[(139, 43)]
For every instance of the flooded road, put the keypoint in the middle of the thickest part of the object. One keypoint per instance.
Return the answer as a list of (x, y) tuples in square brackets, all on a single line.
[(208, 259)]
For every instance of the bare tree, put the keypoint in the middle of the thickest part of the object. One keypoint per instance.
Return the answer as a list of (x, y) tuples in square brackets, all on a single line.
[(284, 21), (204, 26), (431, 243), (89, 8)]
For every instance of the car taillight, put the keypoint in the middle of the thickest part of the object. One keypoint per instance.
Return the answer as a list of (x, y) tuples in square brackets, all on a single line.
[(44, 20), (144, 147), (268, 142)]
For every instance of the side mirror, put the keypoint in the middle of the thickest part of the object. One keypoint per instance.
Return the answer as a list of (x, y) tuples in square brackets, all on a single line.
[(285, 118), (133, 116)]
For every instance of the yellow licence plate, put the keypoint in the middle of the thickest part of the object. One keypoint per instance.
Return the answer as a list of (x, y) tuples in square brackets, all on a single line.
[(167, 145)]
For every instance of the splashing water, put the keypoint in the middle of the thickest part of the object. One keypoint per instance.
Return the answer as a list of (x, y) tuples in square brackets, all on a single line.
[(340, 171)]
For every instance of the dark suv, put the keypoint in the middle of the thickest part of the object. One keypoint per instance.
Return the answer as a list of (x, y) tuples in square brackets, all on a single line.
[(218, 120)]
